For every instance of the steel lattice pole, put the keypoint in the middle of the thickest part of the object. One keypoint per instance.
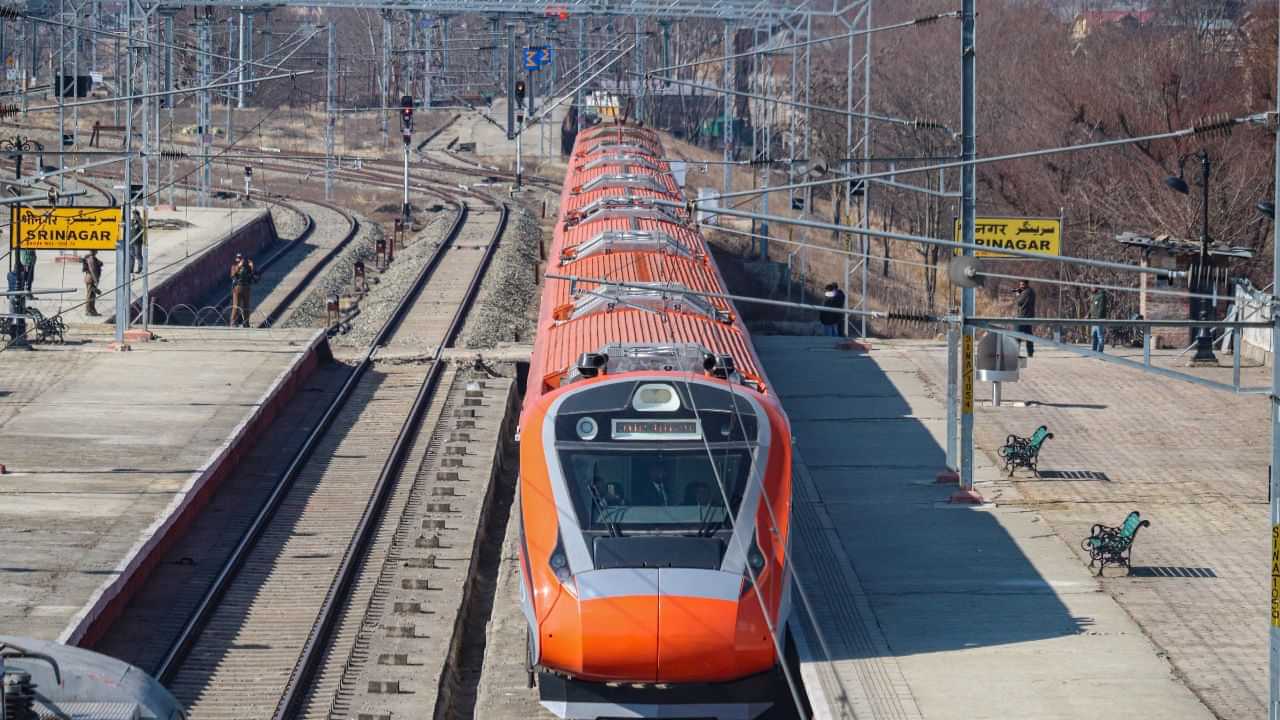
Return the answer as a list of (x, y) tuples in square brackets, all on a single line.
[(727, 129), (204, 109), (866, 157), (331, 106), (384, 80)]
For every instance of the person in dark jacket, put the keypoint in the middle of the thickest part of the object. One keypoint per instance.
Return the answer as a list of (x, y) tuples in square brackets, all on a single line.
[(1024, 305), (1098, 307), (832, 298)]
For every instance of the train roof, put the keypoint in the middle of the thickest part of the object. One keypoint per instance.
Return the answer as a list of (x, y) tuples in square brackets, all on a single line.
[(644, 274)]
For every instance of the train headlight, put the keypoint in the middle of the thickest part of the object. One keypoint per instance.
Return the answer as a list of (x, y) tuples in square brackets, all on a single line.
[(755, 566), (656, 397), (560, 566), (559, 562), (587, 428)]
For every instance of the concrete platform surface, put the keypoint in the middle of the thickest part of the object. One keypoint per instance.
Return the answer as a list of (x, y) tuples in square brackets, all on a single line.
[(932, 610), (108, 452), (1193, 461), (176, 238)]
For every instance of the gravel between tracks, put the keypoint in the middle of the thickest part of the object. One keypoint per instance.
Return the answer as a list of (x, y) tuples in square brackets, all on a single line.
[(336, 279), (391, 285), (289, 224), (510, 290)]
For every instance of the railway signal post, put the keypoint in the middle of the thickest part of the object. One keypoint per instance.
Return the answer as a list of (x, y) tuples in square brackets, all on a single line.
[(519, 126), (406, 131)]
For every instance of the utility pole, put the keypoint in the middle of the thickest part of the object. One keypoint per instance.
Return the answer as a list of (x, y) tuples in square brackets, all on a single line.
[(426, 62), (231, 43), (204, 109), (582, 63), (727, 129), (511, 81), (968, 210), (384, 80), (240, 53), (638, 36), (331, 106), (1274, 485)]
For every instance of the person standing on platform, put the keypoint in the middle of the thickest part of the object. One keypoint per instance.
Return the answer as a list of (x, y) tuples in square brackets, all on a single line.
[(242, 279), (1024, 305), (137, 226), (92, 268), (1098, 303), (832, 298), (28, 259)]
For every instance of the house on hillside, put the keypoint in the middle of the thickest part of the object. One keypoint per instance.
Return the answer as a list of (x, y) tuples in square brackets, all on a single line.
[(1093, 20)]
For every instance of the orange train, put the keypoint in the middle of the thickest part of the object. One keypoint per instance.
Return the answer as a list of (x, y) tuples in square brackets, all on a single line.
[(655, 462)]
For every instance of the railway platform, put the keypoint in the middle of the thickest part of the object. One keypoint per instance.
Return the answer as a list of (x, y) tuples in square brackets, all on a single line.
[(191, 252), (108, 456), (933, 610)]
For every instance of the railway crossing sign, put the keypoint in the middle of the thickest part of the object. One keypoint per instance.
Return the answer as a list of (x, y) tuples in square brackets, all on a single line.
[(536, 57), (64, 228), (1038, 235)]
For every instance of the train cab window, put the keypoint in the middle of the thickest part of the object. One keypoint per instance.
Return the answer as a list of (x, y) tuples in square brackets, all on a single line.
[(656, 490)]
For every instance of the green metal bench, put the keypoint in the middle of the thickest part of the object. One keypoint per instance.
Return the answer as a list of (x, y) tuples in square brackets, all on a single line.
[(1024, 452), (1114, 545)]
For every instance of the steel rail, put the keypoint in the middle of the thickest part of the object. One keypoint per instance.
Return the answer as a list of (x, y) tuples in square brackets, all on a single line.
[(314, 271), (335, 601), (196, 623)]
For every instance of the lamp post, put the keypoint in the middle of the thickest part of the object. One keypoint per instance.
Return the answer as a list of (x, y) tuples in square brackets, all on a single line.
[(1202, 277)]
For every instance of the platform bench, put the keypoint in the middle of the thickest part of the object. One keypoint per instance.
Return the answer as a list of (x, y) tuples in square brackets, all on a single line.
[(1024, 452), (1113, 545)]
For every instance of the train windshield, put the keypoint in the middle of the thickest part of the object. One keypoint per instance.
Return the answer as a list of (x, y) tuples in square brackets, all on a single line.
[(616, 491)]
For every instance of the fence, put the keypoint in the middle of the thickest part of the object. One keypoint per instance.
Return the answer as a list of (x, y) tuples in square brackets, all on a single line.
[(1253, 305)]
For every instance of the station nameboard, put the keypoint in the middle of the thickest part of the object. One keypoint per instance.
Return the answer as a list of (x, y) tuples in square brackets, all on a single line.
[(1036, 235), (64, 228)]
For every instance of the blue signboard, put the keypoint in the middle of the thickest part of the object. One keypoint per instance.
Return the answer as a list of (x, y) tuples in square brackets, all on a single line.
[(536, 57)]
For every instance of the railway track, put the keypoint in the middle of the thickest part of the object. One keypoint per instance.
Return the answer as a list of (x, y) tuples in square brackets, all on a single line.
[(287, 281), (255, 642)]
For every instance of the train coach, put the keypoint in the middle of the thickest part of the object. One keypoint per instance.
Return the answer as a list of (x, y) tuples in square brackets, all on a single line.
[(655, 462)]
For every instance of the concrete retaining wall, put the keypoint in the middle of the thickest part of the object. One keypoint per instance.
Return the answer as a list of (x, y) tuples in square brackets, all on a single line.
[(110, 600), (209, 269)]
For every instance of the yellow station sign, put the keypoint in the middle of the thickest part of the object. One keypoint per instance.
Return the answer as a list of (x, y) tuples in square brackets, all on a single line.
[(64, 228), (1275, 576), (966, 371), (1037, 235)]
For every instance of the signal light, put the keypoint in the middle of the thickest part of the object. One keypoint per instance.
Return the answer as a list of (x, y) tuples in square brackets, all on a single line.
[(519, 92), (406, 113)]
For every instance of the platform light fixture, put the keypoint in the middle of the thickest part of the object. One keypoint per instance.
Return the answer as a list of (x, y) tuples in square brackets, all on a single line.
[(1200, 308)]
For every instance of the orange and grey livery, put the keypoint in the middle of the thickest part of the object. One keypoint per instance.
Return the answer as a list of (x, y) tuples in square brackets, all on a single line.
[(655, 462)]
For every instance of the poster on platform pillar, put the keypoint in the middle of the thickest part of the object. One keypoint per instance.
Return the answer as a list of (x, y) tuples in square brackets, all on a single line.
[(1042, 236), (64, 228)]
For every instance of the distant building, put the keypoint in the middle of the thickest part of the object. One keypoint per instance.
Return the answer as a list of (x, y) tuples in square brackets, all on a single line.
[(1093, 20)]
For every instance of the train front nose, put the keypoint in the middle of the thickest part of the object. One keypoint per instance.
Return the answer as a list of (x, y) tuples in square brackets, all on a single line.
[(687, 627)]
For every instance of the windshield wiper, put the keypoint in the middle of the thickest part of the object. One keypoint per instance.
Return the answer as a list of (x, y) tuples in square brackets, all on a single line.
[(603, 506), (706, 526)]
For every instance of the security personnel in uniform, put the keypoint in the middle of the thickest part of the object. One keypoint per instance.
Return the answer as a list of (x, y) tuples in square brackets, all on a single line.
[(242, 278), (91, 266), (1024, 305)]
